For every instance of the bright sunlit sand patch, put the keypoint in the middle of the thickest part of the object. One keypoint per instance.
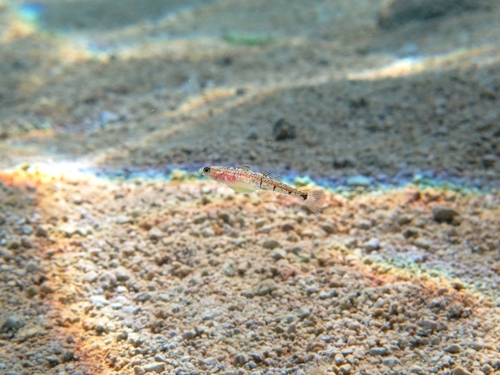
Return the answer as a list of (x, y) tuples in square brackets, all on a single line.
[(459, 58)]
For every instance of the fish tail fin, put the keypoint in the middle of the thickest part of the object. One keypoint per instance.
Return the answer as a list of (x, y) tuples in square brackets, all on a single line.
[(314, 200)]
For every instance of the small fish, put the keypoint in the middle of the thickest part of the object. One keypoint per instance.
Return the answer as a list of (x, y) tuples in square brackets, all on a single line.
[(244, 180)]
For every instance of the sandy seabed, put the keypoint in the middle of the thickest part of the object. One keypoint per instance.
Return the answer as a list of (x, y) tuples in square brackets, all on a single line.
[(115, 258)]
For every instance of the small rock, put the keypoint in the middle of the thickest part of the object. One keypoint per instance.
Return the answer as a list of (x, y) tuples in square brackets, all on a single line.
[(90, 277), (453, 349), (47, 288), (229, 269), (99, 301), (461, 371), (390, 362), (477, 345), (329, 228), (122, 219), (32, 267), (32, 291), (155, 367), (68, 356), (416, 369), (208, 232), (283, 130), (372, 244), (277, 254), (28, 332), (41, 231), (423, 243), (189, 335), (411, 232), (26, 242), (429, 324), (108, 117), (364, 224), (345, 369), (358, 180), (210, 314), (444, 213), (139, 370), (199, 219), (240, 360), (142, 297), (14, 244), (14, 322), (53, 360), (377, 351), (27, 230), (122, 274), (489, 161), (68, 230), (6, 254), (155, 233), (266, 287), (270, 244)]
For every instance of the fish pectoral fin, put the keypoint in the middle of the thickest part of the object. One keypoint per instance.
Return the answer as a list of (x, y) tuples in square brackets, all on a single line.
[(240, 189)]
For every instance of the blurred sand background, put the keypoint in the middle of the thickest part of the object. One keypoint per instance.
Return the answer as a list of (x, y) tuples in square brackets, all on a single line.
[(115, 258)]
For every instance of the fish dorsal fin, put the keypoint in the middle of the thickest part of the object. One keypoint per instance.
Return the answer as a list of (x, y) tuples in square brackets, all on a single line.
[(271, 173), (245, 166)]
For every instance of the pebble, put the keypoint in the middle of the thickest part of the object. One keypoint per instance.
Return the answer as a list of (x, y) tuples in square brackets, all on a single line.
[(108, 117), (41, 231), (122, 274), (283, 130), (277, 254), (68, 356), (345, 369), (155, 233), (377, 351), (6, 254), (90, 277), (358, 180), (266, 287), (329, 228), (229, 269), (240, 360), (372, 244), (444, 213), (461, 371), (27, 230), (416, 369), (364, 224), (208, 232), (189, 335), (29, 332), (429, 324), (139, 370), (53, 360), (99, 301), (155, 367), (390, 362), (122, 219), (423, 243), (14, 323), (453, 349), (270, 244)]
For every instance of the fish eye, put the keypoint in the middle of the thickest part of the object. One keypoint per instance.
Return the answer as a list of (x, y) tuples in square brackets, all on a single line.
[(206, 169)]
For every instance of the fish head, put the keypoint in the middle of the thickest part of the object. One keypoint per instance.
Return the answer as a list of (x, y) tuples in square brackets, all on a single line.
[(208, 171)]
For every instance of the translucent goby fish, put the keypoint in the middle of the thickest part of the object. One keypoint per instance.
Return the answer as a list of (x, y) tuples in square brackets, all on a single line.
[(244, 180)]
